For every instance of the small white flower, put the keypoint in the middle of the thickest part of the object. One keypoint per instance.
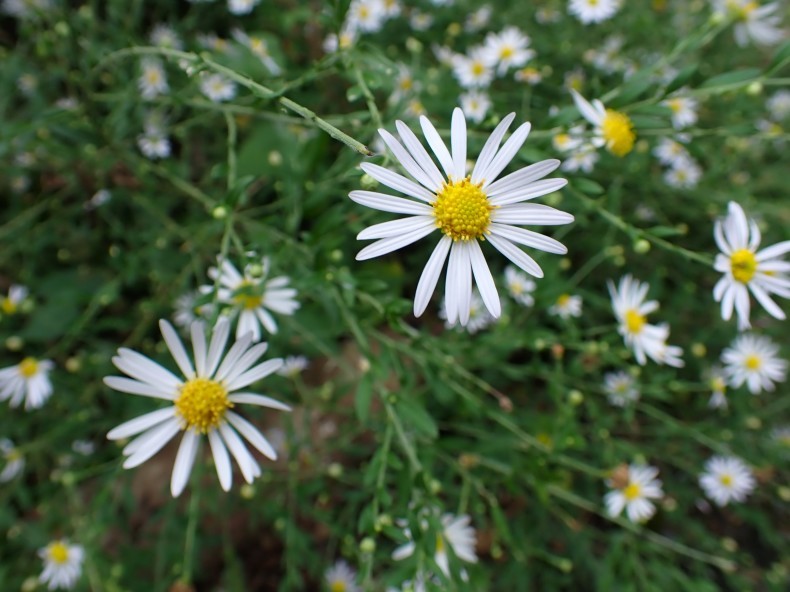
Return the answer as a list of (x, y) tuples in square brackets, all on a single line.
[(478, 19), (17, 294), (214, 43), (367, 16), (753, 22), (519, 286), (612, 128), (746, 269), (475, 105), (154, 145), (420, 21), (27, 381), (566, 306), (187, 309), (259, 48), (83, 447), (405, 85), (98, 199), (668, 152), (12, 460), (508, 49), (779, 105), (201, 403), (726, 479), (292, 366), (593, 11), (152, 81), (456, 533), (164, 36), (717, 379), (634, 496), (473, 71), (683, 174), (218, 88), (341, 578), (645, 340), (608, 58), (62, 564), (684, 111), (570, 140), (530, 75), (547, 15), (754, 360), (583, 158), (620, 388), (241, 7)]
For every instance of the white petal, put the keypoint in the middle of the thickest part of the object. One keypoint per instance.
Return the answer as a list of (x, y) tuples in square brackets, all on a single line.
[(529, 238), (489, 150), (532, 214), (516, 255), (485, 283), (397, 182), (219, 340), (199, 347), (765, 300), (387, 245), (430, 275), (407, 162), (389, 203), (773, 251), (185, 458), (248, 325), (260, 400), (266, 320), (421, 156), (252, 434), (243, 457), (221, 460), (506, 154), (586, 109), (521, 177), (245, 361), (257, 373), (126, 385), (721, 242), (451, 295), (464, 282), (140, 424), (437, 145), (396, 227), (149, 443), (233, 356), (144, 369), (176, 349), (458, 143), (531, 191)]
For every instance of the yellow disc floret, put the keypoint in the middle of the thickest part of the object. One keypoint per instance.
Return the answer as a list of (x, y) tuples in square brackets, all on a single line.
[(744, 265), (8, 306), (634, 321), (338, 586), (618, 132), (752, 362), (726, 480), (28, 367), (245, 296), (462, 210), (202, 404), (632, 492), (58, 553)]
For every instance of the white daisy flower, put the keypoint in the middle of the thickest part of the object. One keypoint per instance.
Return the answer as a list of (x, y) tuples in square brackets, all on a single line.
[(218, 88), (753, 22), (13, 461), (187, 309), (547, 15), (475, 105), (568, 141), (341, 578), (152, 81), (478, 19), (10, 304), (420, 21), (241, 7), (519, 286), (684, 111), (668, 152), (202, 403), (253, 295), (456, 533), (27, 381), (154, 145), (479, 317), (62, 564), (612, 128), (530, 75), (467, 209), (508, 49), (391, 8), (566, 306), (405, 85), (593, 11), (214, 43), (83, 447), (473, 71), (367, 16), (779, 105), (258, 46), (754, 360), (683, 174), (583, 158), (609, 57), (726, 479), (644, 339), (292, 366), (634, 496), (620, 388), (747, 270), (164, 36), (717, 380)]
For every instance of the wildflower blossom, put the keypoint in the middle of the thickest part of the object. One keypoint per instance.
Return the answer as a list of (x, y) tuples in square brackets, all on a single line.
[(13, 461), (583, 158), (367, 16), (478, 19), (508, 49), (684, 111), (593, 11), (456, 533), (152, 81), (28, 381), (620, 388), (612, 128), (10, 305), (259, 48), (405, 85), (640, 486), (566, 306), (754, 360), (62, 564), (164, 36), (188, 310), (753, 21), (241, 7), (717, 380), (530, 75), (479, 317), (201, 403), (779, 105), (669, 152), (683, 174), (475, 105), (341, 578), (726, 479), (519, 286), (473, 71), (292, 366), (218, 88), (746, 269), (467, 209)]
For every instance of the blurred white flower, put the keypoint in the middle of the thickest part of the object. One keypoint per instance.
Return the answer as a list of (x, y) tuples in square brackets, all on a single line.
[(635, 494), (341, 578), (259, 48), (165, 36), (479, 317), (520, 286), (508, 49), (28, 381), (779, 105), (367, 16), (475, 105), (754, 360), (473, 70), (10, 304), (566, 306), (620, 388), (62, 564), (669, 151), (684, 111), (241, 7), (218, 88), (717, 379), (456, 533), (753, 22), (593, 11), (726, 479), (152, 81), (683, 174), (12, 459), (292, 366)]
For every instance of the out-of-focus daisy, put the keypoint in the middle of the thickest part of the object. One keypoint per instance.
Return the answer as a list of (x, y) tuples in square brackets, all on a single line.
[(241, 7), (508, 49), (367, 16), (779, 105), (726, 479), (253, 295), (98, 199), (62, 564), (10, 304), (164, 36), (28, 381), (467, 209), (582, 158), (341, 578), (644, 339), (473, 71), (620, 388), (152, 81), (188, 309), (218, 88), (753, 21), (612, 128), (593, 11), (420, 21), (405, 85), (292, 366), (201, 403), (415, 108), (25, 9), (258, 46), (574, 79), (568, 141), (669, 151), (456, 533), (566, 306), (546, 15), (754, 360), (12, 459), (214, 43), (479, 317), (478, 19), (609, 57), (391, 8), (475, 105), (746, 269), (154, 144), (343, 40), (684, 111), (519, 286), (530, 75), (717, 380), (683, 174), (83, 447), (634, 494)]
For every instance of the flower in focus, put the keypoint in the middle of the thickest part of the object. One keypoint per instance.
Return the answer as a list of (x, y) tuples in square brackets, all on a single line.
[(253, 295), (646, 340), (341, 578), (28, 381), (612, 128), (566, 306), (467, 208), (620, 388), (62, 564), (17, 294), (152, 81), (520, 286), (201, 403), (475, 104), (13, 461), (593, 11), (746, 269), (218, 88), (754, 360), (717, 380), (726, 479), (634, 494), (455, 533)]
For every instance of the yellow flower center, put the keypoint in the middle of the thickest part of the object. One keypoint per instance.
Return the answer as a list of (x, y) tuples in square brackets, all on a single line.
[(58, 553), (406, 84), (717, 384), (753, 362), (618, 132), (245, 296), (634, 321), (153, 76), (8, 306), (675, 105), (462, 210), (743, 264), (563, 300), (337, 586), (740, 11), (544, 439), (632, 491), (202, 404), (507, 52), (13, 455), (516, 288), (561, 140), (726, 480), (28, 367), (478, 69)]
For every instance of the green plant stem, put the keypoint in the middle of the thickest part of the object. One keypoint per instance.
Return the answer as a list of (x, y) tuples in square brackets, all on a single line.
[(191, 533)]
